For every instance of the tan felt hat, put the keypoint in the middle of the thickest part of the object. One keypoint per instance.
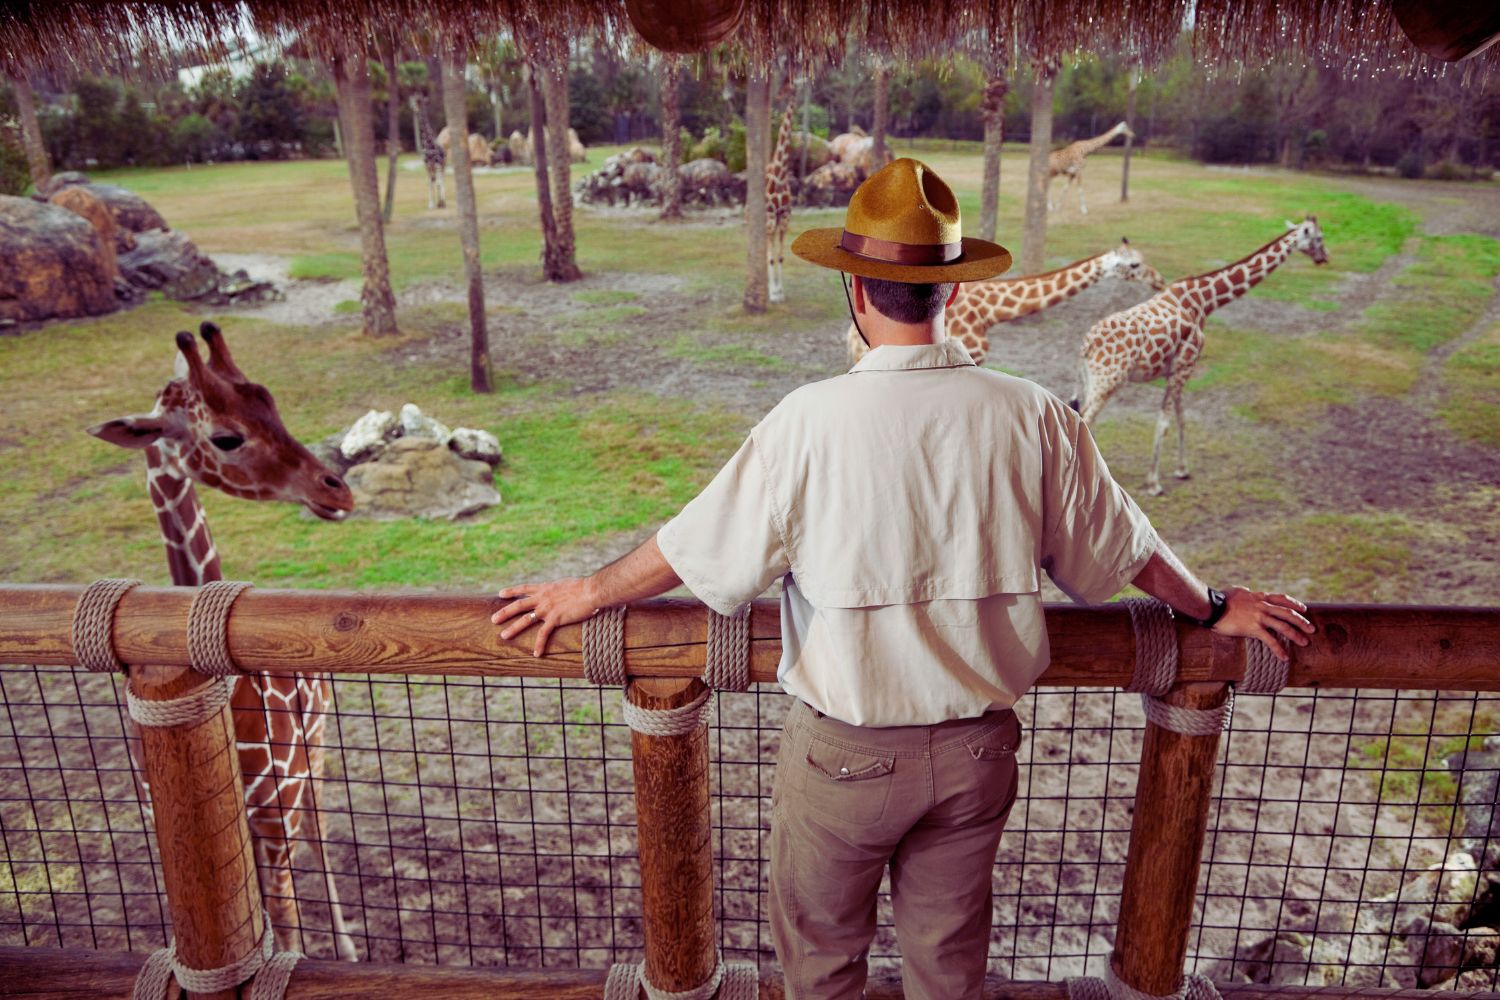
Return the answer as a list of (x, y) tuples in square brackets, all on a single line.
[(903, 224)]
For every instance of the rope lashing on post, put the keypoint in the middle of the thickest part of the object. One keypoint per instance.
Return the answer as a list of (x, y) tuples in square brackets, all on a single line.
[(94, 624), (604, 647), (208, 627), (729, 981), (208, 653), (270, 969), (1156, 671), (726, 665), (1110, 987)]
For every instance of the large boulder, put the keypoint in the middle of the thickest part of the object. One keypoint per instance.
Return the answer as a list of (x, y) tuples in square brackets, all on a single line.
[(171, 263), (52, 264), (819, 151), (132, 212), (418, 477)]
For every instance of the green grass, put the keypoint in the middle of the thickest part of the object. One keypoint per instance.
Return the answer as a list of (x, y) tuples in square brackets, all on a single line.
[(346, 307), (605, 297), (1336, 556), (1287, 381), (1472, 380), (1441, 295), (1414, 777), (734, 357)]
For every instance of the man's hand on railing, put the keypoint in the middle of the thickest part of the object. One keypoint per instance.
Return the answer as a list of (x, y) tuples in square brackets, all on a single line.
[(643, 572), (1271, 618)]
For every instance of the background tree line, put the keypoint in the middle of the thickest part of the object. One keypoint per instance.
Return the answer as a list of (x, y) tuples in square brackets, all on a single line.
[(1296, 116)]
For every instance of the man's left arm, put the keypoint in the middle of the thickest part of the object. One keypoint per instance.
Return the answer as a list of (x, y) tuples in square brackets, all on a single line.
[(641, 573)]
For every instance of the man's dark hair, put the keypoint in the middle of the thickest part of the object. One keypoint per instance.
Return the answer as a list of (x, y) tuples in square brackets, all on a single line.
[(906, 303)]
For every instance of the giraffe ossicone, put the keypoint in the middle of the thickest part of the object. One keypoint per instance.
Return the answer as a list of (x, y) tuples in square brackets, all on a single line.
[(1163, 336), (983, 305), (212, 425)]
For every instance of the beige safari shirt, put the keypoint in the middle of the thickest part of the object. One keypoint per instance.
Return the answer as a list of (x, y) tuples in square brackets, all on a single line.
[(909, 505)]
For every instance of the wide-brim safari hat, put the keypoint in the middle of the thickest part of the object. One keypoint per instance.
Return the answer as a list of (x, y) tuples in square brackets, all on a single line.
[(903, 224)]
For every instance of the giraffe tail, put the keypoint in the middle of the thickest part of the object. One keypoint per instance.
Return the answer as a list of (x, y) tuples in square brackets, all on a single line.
[(1083, 387), (1074, 404)]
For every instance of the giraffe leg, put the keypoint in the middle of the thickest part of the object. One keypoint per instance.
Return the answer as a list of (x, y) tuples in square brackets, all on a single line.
[(1100, 385), (442, 192), (1182, 465), (275, 857), (1078, 180), (1153, 480), (342, 939), (773, 273)]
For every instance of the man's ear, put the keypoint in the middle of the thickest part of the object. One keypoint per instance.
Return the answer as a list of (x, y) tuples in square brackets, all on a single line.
[(860, 307), (135, 431), (952, 295)]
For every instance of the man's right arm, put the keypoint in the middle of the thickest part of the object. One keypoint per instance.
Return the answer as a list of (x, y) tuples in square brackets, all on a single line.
[(1251, 614)]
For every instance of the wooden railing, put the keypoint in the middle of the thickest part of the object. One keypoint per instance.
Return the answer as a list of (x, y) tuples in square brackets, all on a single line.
[(204, 840)]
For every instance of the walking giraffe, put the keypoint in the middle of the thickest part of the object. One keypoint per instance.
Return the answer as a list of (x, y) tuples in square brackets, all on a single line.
[(433, 156), (1069, 161), (984, 305), (213, 426), (779, 202), (1163, 336)]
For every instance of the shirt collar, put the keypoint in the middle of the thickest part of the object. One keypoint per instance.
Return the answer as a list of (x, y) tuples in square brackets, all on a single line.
[(948, 353)]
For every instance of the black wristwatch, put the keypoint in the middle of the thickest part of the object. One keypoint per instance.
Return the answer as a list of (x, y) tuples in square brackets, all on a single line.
[(1217, 605)]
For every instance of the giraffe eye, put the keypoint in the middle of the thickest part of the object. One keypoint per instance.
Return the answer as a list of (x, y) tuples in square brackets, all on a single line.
[(227, 442)]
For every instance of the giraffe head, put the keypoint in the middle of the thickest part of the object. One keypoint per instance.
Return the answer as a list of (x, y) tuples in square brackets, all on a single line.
[(216, 427), (1309, 239), (1126, 262), (1123, 129)]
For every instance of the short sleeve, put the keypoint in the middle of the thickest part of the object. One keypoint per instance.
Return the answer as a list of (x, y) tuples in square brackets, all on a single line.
[(726, 544), (1097, 539)]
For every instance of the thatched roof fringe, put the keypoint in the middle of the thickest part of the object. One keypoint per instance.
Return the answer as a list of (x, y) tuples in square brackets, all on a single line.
[(1359, 36)]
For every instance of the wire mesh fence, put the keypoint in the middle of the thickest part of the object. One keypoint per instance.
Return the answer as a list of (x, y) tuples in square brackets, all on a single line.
[(491, 822)]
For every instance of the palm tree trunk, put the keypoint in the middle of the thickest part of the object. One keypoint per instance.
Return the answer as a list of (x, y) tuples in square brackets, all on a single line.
[(392, 126), (352, 79), (881, 154), (452, 69), (671, 139), (550, 259), (757, 130), (31, 132), (555, 95), (1135, 81), (992, 110), (1034, 237)]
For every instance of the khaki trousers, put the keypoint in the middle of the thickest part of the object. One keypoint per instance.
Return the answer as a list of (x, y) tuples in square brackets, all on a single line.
[(931, 802)]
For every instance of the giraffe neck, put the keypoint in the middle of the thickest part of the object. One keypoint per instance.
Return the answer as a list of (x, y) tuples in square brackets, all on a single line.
[(1024, 296), (1219, 288), (1087, 146), (191, 556), (783, 140)]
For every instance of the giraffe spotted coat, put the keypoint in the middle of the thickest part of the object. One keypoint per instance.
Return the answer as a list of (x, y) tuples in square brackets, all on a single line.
[(1163, 336)]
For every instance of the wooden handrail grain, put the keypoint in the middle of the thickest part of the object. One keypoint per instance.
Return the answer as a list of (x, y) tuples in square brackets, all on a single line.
[(366, 632)]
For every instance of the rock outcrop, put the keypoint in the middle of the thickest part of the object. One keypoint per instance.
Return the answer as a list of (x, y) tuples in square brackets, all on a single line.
[(169, 262), (409, 464), (132, 212), (52, 264)]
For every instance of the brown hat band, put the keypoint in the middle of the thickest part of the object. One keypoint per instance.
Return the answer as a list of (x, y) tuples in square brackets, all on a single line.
[(891, 252)]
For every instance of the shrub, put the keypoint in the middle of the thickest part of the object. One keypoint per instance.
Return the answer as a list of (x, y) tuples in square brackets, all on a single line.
[(734, 147), (1447, 170), (195, 138), (1410, 165)]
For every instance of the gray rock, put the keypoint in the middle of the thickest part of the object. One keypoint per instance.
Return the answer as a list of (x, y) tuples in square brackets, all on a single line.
[(1294, 958), (1444, 892), (367, 437), (1437, 948), (330, 454), (418, 477), (130, 210), (173, 264), (1477, 773), (476, 445), (415, 423)]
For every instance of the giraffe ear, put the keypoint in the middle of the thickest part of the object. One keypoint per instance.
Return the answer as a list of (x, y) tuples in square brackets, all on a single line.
[(137, 431), (1289, 223)]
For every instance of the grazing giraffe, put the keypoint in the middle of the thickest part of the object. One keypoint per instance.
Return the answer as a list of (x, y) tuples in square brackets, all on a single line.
[(213, 426), (433, 155), (983, 305), (1163, 336), (1069, 161), (779, 202)]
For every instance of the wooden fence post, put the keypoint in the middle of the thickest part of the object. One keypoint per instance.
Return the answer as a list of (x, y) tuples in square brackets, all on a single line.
[(1172, 798), (198, 801), (677, 878)]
